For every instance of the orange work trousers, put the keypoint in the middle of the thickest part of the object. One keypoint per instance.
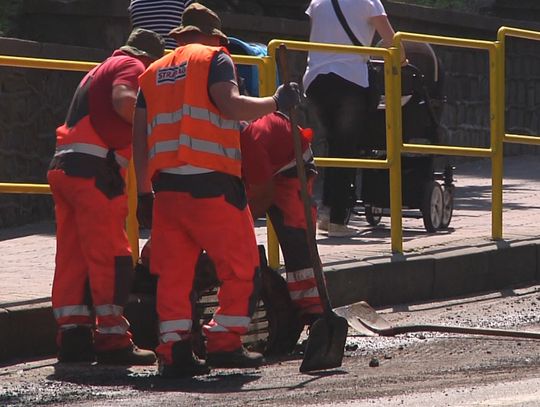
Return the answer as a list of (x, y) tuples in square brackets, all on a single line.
[(182, 227), (94, 269), (289, 221)]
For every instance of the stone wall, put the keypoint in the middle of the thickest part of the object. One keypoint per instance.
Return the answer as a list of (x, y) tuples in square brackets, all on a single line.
[(34, 102)]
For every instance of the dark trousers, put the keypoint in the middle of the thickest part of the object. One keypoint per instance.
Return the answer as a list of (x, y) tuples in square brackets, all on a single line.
[(342, 109)]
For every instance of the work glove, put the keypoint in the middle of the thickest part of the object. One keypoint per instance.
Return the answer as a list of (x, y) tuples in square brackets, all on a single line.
[(145, 206), (287, 96)]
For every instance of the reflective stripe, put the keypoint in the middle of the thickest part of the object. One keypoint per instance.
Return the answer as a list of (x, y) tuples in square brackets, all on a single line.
[(232, 321), (300, 275), (175, 325), (72, 311), (72, 326), (202, 146), (90, 149), (307, 156), (186, 170), (198, 113), (109, 310), (301, 294), (217, 328), (170, 337), (113, 330)]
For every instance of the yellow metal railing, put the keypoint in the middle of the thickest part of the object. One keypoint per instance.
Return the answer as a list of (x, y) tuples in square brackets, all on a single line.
[(392, 162), (495, 151), (132, 226), (267, 84)]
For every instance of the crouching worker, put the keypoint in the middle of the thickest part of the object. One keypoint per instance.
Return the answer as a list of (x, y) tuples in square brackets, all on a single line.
[(272, 184), (93, 274), (187, 150)]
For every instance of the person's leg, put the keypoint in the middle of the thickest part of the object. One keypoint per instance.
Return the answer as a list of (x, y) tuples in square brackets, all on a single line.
[(224, 228), (288, 217), (100, 223), (343, 108), (173, 258), (70, 293)]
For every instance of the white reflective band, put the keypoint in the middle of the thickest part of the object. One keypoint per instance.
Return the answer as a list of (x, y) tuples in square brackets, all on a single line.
[(232, 321), (72, 326), (109, 310), (300, 275), (90, 149), (217, 328), (301, 294), (175, 325), (186, 170), (196, 113), (170, 337), (113, 330), (202, 146), (307, 156), (72, 311)]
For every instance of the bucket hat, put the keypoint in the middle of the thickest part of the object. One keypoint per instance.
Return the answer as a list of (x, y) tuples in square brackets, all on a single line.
[(145, 43), (199, 18)]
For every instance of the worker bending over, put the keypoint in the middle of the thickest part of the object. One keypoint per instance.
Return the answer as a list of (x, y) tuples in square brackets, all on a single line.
[(94, 268)]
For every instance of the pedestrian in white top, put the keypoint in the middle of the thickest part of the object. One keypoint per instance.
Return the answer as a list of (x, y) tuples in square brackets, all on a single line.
[(337, 84)]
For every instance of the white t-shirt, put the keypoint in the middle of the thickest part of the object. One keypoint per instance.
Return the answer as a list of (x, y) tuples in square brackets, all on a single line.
[(326, 28)]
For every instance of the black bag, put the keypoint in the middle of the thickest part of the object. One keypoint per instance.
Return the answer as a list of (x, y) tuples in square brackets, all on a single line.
[(374, 90)]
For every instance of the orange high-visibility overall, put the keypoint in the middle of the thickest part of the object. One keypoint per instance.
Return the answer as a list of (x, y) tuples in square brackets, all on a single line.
[(194, 162), (93, 258)]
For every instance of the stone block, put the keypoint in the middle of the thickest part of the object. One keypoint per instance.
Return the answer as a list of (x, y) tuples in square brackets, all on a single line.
[(460, 272), (513, 265), (5, 335), (33, 331), (400, 281)]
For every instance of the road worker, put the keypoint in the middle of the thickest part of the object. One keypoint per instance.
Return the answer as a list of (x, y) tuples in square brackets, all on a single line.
[(272, 184), (187, 151), (94, 269)]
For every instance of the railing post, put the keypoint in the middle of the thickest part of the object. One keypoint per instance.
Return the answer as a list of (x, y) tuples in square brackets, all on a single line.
[(496, 63), (395, 143), (132, 225)]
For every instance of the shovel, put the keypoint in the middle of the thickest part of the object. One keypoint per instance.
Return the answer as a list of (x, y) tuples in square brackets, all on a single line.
[(366, 321), (326, 342)]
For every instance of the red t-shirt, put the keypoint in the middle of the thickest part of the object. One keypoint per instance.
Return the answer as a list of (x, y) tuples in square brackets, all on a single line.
[(267, 145), (119, 69)]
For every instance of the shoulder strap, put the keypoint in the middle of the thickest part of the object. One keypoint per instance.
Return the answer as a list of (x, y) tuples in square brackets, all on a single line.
[(344, 23)]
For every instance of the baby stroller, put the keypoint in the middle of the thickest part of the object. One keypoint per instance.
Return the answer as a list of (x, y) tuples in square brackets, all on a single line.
[(423, 188)]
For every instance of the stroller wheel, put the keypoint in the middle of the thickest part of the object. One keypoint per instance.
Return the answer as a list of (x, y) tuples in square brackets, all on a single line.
[(373, 215), (432, 206), (448, 206)]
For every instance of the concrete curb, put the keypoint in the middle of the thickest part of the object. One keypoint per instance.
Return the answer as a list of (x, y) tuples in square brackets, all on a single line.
[(29, 331)]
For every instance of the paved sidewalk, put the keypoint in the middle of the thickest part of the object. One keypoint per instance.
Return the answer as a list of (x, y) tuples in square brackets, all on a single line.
[(460, 260)]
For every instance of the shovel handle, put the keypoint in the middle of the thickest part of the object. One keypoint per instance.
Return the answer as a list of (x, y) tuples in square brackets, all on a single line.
[(396, 330), (306, 200)]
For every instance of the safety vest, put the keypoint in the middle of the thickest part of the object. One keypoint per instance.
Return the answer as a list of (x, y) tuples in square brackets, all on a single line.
[(82, 138), (184, 128)]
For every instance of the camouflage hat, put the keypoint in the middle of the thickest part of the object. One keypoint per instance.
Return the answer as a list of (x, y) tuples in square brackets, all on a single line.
[(199, 18), (145, 43)]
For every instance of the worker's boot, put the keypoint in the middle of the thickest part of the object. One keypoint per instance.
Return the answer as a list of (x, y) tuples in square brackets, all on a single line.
[(238, 358), (130, 355), (185, 363), (76, 345)]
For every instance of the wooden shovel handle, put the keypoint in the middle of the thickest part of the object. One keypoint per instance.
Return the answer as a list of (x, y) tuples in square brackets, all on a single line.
[(300, 168)]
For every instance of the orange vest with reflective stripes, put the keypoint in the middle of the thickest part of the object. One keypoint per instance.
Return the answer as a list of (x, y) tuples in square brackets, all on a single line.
[(82, 138), (183, 125)]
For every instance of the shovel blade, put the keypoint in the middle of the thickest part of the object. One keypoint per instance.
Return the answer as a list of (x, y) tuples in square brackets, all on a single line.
[(325, 344)]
